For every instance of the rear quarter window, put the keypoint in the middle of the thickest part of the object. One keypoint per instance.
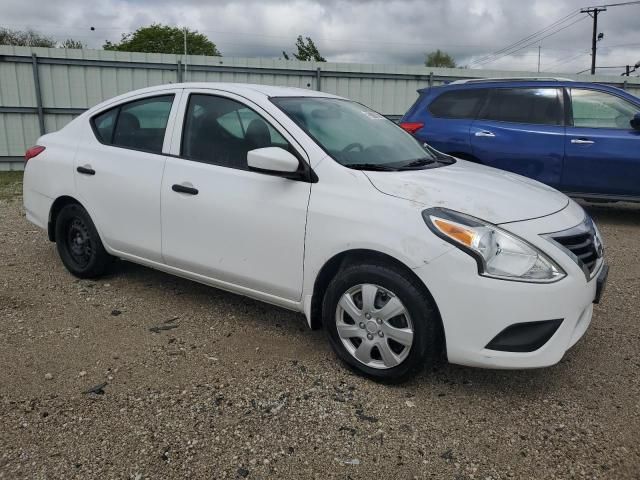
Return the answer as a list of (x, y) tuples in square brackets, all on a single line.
[(458, 104), (104, 124)]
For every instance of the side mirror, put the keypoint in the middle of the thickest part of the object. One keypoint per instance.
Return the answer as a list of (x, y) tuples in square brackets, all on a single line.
[(635, 121), (272, 160)]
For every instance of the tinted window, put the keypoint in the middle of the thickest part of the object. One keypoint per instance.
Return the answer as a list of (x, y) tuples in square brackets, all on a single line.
[(104, 124), (525, 105), (601, 110), (139, 125), (221, 131), (460, 104)]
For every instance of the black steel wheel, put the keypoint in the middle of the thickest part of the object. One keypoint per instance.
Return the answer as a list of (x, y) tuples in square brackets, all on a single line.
[(79, 244)]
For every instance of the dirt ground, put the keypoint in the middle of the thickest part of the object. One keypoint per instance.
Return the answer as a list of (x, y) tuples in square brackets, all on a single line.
[(232, 388)]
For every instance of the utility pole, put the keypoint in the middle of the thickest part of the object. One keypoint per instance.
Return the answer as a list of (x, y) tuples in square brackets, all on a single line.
[(593, 13), (539, 47), (185, 52)]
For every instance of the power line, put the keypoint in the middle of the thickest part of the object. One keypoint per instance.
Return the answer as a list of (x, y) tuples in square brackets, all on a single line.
[(491, 60), (593, 13), (529, 37), (616, 4), (566, 59)]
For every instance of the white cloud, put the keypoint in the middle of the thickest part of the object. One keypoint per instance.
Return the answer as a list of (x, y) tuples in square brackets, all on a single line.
[(374, 31)]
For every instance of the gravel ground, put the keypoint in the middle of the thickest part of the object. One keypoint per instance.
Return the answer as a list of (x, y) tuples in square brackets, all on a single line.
[(231, 388)]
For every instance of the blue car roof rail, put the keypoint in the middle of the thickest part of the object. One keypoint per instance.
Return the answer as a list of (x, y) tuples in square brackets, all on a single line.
[(509, 79)]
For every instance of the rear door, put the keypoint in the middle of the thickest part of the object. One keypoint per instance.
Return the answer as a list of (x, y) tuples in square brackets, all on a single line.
[(522, 130), (451, 115), (602, 150), (118, 169)]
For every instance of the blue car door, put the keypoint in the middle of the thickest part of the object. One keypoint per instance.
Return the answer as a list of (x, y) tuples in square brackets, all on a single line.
[(522, 130), (448, 119), (602, 150)]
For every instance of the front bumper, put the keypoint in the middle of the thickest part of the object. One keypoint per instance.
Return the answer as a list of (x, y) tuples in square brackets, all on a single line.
[(475, 309)]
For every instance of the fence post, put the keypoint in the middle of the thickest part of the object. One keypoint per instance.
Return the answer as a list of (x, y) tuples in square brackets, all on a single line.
[(179, 71), (318, 79), (36, 82), (430, 79)]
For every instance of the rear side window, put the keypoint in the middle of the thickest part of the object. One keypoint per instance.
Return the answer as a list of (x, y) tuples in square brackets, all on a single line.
[(539, 106), (138, 125), (458, 104)]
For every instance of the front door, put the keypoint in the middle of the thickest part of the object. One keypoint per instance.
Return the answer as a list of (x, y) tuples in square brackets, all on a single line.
[(223, 221), (522, 130), (602, 150)]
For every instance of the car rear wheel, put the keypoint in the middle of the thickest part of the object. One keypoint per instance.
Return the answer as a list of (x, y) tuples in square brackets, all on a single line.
[(79, 244), (381, 323)]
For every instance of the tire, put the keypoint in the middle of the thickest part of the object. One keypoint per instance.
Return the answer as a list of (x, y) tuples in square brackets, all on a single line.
[(395, 292), (79, 244)]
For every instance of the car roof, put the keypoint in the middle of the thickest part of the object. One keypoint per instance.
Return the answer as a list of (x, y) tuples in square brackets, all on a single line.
[(250, 91), (246, 89), (520, 82)]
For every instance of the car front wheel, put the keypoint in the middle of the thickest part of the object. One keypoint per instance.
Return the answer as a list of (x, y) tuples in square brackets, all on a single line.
[(381, 322)]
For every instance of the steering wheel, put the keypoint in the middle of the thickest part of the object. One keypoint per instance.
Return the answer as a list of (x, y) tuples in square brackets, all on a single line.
[(353, 146)]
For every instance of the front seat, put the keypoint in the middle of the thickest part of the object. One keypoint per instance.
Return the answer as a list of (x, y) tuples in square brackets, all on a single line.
[(127, 129), (257, 135)]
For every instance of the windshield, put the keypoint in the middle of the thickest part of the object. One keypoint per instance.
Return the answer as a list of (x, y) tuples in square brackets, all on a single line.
[(354, 135)]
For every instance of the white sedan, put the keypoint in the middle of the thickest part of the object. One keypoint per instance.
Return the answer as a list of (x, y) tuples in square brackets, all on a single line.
[(318, 204)]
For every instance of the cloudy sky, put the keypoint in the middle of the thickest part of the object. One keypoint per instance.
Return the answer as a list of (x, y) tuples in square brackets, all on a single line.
[(367, 31)]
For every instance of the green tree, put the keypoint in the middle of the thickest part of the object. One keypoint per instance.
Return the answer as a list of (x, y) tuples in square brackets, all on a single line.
[(306, 51), (157, 38), (439, 59), (71, 43), (25, 38)]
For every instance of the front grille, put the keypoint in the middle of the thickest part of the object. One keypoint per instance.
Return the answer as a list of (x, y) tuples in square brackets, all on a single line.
[(583, 244)]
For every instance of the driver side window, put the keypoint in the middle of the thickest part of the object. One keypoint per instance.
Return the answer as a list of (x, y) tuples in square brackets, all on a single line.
[(221, 131), (594, 109)]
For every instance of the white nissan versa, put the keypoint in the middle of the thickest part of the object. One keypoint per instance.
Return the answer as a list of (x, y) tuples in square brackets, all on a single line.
[(318, 204)]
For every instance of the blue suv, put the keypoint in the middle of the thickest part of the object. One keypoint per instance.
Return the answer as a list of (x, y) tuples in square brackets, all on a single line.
[(581, 138)]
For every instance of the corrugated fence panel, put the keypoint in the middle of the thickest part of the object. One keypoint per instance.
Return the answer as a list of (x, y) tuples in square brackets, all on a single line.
[(72, 80), (17, 130)]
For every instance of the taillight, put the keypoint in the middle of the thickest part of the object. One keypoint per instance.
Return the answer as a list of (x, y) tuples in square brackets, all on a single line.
[(33, 152), (411, 127)]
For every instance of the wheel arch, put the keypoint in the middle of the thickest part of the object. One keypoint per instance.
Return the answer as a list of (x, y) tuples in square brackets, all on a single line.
[(349, 257), (55, 209)]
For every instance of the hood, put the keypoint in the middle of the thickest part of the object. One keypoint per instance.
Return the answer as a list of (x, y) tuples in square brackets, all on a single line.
[(483, 192)]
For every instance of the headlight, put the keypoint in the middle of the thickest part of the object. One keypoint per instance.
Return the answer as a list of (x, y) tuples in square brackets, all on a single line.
[(499, 254)]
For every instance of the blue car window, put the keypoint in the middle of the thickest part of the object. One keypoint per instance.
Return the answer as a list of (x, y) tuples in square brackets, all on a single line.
[(540, 106), (458, 104), (594, 109)]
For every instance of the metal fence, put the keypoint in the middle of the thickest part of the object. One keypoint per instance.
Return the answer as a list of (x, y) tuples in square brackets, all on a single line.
[(42, 89)]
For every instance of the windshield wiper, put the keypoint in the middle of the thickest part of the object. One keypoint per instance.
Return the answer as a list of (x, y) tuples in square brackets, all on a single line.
[(371, 166), (420, 162)]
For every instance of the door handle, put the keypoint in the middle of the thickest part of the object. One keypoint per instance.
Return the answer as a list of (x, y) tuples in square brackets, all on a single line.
[(582, 141), (484, 133), (183, 189), (86, 170)]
